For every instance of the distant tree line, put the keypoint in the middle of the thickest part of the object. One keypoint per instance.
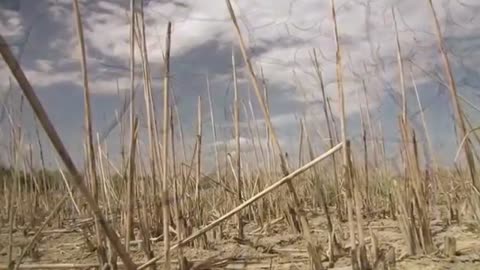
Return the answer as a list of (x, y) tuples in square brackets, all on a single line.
[(39, 180)]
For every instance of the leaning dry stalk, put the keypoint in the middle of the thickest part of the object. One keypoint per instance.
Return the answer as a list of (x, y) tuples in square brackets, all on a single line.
[(182, 185), (334, 248), (255, 134), (251, 134), (257, 129), (256, 87), (129, 214), (461, 128), (131, 189), (334, 124), (400, 67), (459, 117), (345, 153), (365, 158), (300, 143), (149, 106), (176, 201), (132, 64), (268, 136), (166, 119), (415, 217), (237, 144), (430, 145), (180, 128), (47, 125), (69, 190), (172, 141), (42, 159), (38, 233), (88, 125), (370, 126), (330, 135), (199, 148), (129, 232), (151, 122), (214, 130), (247, 203), (269, 125), (88, 113), (103, 177)]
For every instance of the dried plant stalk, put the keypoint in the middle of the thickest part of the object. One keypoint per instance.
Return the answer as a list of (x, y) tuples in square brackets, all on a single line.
[(199, 149), (248, 202), (129, 232), (415, 213), (166, 125), (129, 209), (459, 115), (77, 179), (214, 130), (401, 69), (269, 126), (101, 255), (331, 137), (347, 169), (237, 145)]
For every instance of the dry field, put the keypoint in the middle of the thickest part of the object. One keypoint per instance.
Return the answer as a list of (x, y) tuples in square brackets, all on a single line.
[(344, 208), (275, 248)]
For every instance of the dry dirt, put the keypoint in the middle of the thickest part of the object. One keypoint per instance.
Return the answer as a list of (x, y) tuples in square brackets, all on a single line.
[(276, 249)]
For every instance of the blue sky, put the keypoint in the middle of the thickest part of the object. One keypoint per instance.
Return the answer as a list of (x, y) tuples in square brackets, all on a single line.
[(280, 33)]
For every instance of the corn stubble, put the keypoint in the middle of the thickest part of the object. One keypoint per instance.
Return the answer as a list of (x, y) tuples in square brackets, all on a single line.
[(164, 198)]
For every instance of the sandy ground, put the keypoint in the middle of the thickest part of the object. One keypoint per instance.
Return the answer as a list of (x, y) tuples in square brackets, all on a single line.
[(275, 249)]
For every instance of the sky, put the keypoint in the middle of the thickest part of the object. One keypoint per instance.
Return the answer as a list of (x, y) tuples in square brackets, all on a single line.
[(280, 34)]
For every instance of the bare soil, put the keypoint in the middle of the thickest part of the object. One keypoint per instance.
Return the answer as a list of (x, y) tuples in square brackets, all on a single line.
[(274, 248)]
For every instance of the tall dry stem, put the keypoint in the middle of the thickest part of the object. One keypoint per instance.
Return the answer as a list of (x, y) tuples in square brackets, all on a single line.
[(129, 232), (459, 116), (237, 144), (345, 154), (400, 68), (214, 129), (166, 125), (263, 104), (77, 179), (337, 194), (129, 208), (199, 149), (256, 88)]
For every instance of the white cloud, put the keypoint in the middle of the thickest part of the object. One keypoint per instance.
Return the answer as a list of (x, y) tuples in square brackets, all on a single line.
[(285, 31), (280, 33)]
